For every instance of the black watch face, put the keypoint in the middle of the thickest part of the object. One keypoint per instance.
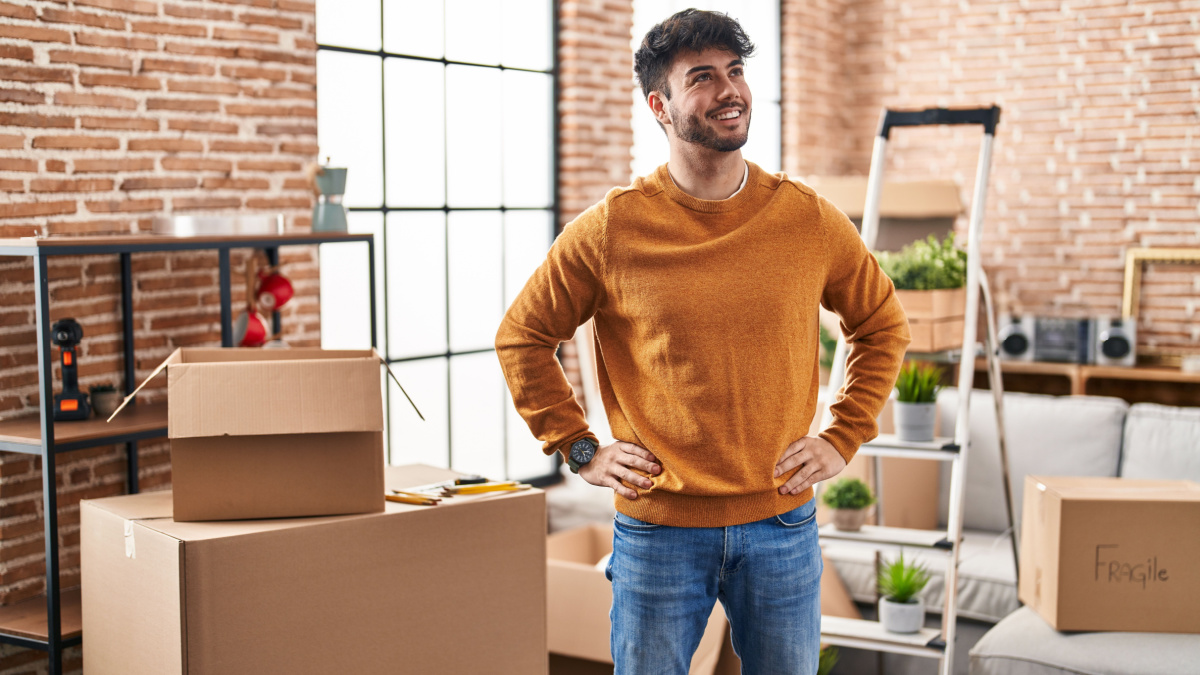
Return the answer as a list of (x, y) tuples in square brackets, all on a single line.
[(583, 451)]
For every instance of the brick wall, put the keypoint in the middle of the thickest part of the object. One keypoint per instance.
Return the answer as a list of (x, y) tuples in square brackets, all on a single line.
[(112, 112), (1096, 151)]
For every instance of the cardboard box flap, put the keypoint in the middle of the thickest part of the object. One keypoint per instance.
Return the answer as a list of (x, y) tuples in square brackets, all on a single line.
[(1123, 489), (175, 357), (910, 199), (252, 398), (147, 505), (216, 355)]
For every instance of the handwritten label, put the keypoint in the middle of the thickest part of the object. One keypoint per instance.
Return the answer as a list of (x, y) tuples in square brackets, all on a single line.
[(1111, 568)]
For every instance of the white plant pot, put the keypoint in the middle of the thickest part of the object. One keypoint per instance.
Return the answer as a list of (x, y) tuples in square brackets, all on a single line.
[(902, 617), (914, 421)]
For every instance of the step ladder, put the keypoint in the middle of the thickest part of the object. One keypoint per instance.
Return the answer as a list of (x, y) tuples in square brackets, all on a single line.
[(870, 635)]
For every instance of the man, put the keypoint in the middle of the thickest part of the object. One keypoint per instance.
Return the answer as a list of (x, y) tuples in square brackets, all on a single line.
[(703, 280)]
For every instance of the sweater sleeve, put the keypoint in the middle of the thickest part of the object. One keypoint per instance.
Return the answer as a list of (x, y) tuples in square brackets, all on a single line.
[(564, 292), (875, 327)]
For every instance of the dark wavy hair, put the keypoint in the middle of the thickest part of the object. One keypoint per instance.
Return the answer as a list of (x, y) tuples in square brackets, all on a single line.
[(691, 30)]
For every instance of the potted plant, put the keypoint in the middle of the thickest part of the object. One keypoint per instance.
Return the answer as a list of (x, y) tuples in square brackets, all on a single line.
[(930, 279), (828, 347), (849, 499), (917, 388), (827, 660), (900, 610), (105, 399)]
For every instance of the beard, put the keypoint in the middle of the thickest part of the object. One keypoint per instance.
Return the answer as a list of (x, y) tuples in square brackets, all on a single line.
[(692, 129)]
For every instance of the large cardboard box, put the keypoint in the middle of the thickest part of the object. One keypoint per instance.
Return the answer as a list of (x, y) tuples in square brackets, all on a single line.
[(273, 433), (454, 588), (1112, 554), (580, 597)]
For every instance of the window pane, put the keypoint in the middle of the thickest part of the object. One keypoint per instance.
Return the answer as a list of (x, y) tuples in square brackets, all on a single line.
[(414, 441), (527, 238), (473, 135), (416, 283), (527, 35), (345, 299), (477, 415), (762, 147), (528, 135), (413, 28), (350, 122), (525, 456), (472, 33), (416, 123), (348, 23), (476, 285)]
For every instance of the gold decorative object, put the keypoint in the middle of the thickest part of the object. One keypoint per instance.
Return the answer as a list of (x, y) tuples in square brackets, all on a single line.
[(1135, 258)]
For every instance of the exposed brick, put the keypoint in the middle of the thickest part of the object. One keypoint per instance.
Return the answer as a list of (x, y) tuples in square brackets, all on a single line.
[(94, 59), (159, 183), (240, 146), (56, 165), (235, 184), (12, 185), (69, 98), (36, 209), (17, 12), (166, 28), (188, 104), (252, 18), (297, 6), (121, 205), (167, 144), (116, 41), (244, 35), (279, 203), (303, 77), (77, 142), (203, 125), (22, 96), (113, 165), (34, 33), (261, 165), (35, 120), (254, 73), (130, 6), (256, 54), (190, 11), (36, 73), (16, 164), (124, 81), (278, 92), (135, 123), (16, 52), (202, 86), (89, 227), (287, 130), (196, 164), (200, 50), (298, 148), (205, 203), (85, 18), (173, 66), (75, 185)]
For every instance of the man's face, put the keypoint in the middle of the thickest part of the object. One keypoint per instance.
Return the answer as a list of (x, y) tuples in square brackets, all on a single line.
[(710, 101)]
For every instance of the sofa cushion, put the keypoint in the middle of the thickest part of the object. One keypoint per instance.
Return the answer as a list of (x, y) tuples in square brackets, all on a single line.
[(1024, 644), (1161, 442), (1046, 435), (987, 589)]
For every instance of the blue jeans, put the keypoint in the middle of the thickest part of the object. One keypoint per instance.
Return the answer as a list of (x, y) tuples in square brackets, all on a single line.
[(665, 580)]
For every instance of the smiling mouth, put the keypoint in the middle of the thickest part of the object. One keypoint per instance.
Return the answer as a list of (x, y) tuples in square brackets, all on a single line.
[(728, 115)]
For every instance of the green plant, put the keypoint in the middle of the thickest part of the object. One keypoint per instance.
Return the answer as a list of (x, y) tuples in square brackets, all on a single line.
[(926, 265), (848, 493), (101, 388), (918, 382), (828, 345), (828, 659), (900, 581)]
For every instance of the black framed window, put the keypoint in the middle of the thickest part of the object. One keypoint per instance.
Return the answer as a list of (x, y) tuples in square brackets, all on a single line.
[(443, 111)]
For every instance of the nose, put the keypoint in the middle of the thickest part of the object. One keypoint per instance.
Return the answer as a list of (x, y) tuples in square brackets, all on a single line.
[(728, 91)]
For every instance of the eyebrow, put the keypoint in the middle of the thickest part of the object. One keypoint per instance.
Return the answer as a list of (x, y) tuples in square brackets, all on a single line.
[(735, 62)]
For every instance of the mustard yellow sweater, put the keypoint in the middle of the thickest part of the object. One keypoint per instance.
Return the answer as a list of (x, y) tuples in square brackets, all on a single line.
[(706, 327)]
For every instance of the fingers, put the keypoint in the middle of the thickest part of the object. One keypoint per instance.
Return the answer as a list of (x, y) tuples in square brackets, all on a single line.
[(637, 462), (805, 478), (620, 487), (638, 451), (792, 461)]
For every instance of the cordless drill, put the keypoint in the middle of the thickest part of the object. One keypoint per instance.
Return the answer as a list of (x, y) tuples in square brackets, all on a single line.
[(71, 404)]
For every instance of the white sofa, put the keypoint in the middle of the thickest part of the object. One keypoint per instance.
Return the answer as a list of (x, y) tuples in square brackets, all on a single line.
[(1048, 435)]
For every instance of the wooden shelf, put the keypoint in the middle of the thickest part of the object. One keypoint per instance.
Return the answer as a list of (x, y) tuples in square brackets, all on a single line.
[(27, 619), (138, 420), (169, 242)]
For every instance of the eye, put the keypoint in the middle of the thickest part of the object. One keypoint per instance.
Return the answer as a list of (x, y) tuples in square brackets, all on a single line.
[(737, 72), (702, 76)]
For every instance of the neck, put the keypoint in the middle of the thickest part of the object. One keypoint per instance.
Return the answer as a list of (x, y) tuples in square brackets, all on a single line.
[(704, 173)]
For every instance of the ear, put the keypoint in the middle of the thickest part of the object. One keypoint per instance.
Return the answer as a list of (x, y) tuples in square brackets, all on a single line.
[(658, 106)]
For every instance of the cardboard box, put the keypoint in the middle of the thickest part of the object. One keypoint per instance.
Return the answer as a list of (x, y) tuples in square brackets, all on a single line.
[(455, 588), (935, 318), (273, 433), (1112, 554), (580, 597)]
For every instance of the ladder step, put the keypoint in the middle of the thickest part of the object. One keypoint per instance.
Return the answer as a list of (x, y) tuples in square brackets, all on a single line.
[(863, 634), (941, 448), (876, 536)]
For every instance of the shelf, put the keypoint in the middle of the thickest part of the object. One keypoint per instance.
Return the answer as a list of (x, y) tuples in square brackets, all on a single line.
[(27, 619), (863, 634), (888, 445), (24, 434), (888, 536), (29, 246)]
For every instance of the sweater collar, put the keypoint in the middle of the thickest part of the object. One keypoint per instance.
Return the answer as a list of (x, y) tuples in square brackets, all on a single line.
[(744, 194)]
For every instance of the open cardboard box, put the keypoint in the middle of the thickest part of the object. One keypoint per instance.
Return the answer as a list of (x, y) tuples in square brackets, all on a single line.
[(273, 433), (455, 588), (1112, 554)]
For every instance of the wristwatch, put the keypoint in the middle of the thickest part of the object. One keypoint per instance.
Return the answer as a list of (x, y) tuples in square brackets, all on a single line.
[(582, 452)]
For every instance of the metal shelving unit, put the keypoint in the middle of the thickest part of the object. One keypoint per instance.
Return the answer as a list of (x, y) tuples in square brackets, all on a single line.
[(863, 634), (53, 622)]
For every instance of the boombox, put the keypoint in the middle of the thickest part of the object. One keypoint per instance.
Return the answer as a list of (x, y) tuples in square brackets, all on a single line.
[(1104, 341)]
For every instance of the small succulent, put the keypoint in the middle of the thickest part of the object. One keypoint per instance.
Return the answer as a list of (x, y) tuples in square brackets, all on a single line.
[(918, 382), (900, 581), (848, 493)]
